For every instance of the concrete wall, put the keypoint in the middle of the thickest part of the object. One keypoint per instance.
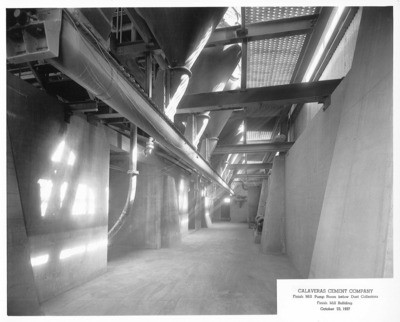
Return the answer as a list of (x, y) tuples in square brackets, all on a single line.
[(159, 216), (307, 169), (352, 239), (263, 198), (62, 172), (170, 220), (253, 195), (273, 233), (317, 146), (22, 298)]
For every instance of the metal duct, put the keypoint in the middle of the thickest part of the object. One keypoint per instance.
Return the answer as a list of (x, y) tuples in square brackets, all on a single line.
[(85, 62), (213, 72), (182, 33)]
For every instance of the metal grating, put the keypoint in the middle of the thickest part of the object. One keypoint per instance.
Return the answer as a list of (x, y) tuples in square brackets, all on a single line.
[(258, 14), (271, 62), (258, 135)]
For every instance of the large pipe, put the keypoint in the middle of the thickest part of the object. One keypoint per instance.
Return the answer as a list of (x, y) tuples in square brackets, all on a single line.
[(85, 62), (212, 72), (182, 33)]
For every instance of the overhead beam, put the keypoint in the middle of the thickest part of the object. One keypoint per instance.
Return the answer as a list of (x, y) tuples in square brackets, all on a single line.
[(252, 148), (230, 35), (107, 116), (255, 175), (263, 30), (139, 24), (84, 107), (272, 95), (135, 49), (250, 166), (311, 46)]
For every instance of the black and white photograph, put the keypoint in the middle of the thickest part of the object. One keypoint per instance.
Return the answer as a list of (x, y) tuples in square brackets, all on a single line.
[(188, 160)]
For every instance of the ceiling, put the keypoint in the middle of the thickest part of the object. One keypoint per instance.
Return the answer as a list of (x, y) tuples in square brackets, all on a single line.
[(275, 44)]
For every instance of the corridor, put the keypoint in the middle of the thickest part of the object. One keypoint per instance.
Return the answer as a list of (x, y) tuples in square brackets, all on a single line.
[(219, 270)]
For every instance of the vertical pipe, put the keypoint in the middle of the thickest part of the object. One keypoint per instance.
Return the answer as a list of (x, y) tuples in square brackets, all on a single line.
[(117, 24), (245, 141), (149, 75), (120, 28), (243, 83), (132, 186)]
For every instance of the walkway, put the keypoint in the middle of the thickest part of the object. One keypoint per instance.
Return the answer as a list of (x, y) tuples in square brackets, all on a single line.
[(215, 271)]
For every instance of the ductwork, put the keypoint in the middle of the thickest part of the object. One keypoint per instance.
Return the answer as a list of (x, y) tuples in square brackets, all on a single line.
[(83, 60), (182, 33), (213, 72)]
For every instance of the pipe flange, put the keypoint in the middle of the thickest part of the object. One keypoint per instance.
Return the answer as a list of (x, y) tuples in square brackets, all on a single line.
[(183, 69), (133, 172)]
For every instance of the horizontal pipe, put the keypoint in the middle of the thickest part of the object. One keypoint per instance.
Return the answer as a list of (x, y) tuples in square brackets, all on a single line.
[(85, 62)]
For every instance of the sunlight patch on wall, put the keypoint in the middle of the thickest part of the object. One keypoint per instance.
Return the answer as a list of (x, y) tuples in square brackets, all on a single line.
[(66, 253), (58, 153), (39, 260), (46, 186), (84, 203)]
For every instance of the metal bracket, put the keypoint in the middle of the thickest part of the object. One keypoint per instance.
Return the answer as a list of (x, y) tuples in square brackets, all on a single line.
[(326, 102)]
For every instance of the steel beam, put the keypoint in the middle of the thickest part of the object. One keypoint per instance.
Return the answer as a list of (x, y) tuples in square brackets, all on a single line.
[(250, 166), (252, 148), (264, 30), (253, 175), (273, 95), (84, 107), (135, 49)]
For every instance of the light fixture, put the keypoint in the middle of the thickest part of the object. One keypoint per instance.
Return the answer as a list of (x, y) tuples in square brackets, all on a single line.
[(227, 200)]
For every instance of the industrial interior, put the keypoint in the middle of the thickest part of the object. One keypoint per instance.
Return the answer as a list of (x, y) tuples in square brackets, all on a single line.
[(166, 161)]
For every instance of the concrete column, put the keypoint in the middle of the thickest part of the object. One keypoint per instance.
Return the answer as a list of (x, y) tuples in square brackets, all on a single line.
[(263, 199), (272, 237), (170, 225), (192, 205), (253, 196)]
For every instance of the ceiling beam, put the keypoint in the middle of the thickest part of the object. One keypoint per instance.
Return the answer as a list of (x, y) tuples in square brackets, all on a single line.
[(263, 30), (250, 166), (229, 35), (312, 45), (253, 175), (252, 148), (107, 116), (139, 24), (273, 95), (136, 49)]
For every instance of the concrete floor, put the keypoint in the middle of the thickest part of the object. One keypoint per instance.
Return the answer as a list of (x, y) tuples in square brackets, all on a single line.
[(215, 271)]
